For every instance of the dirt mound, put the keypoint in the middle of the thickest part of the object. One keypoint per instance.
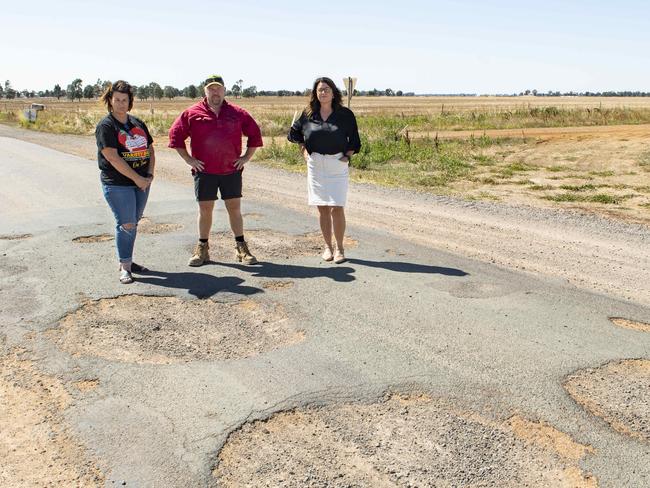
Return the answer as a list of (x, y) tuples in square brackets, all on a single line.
[(268, 244), (93, 238), (618, 392), (399, 442), (163, 330), (630, 324), (36, 448)]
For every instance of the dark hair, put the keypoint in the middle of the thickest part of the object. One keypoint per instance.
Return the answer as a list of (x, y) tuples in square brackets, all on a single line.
[(119, 86), (314, 104)]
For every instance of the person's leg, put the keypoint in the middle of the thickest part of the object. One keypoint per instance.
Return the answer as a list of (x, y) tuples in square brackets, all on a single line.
[(122, 201), (141, 198), (325, 220), (233, 206), (206, 208), (338, 222)]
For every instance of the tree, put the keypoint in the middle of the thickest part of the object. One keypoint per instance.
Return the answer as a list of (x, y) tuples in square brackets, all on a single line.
[(2, 91), (156, 90), (98, 88), (399, 93), (57, 92), (237, 88), (249, 92), (74, 90), (9, 92), (170, 92), (89, 91), (190, 92), (389, 92), (143, 92)]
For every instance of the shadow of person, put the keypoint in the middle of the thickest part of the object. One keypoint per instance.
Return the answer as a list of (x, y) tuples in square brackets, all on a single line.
[(341, 274), (402, 267), (201, 285)]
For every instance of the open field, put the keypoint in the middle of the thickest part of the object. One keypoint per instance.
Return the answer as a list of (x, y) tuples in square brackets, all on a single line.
[(589, 153)]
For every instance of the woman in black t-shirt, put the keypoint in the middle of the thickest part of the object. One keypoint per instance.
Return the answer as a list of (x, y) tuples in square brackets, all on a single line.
[(126, 159), (328, 137)]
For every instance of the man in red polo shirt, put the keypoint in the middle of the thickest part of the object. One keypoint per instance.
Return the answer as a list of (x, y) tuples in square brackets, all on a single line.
[(215, 128)]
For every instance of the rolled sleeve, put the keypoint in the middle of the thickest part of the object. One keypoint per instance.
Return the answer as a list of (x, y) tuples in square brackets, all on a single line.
[(354, 141), (296, 134), (252, 131), (179, 131)]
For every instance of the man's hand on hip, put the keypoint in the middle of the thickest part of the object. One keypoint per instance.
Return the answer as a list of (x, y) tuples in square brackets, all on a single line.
[(195, 164), (239, 164)]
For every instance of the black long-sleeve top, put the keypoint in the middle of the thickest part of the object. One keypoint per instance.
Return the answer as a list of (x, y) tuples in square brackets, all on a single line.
[(337, 134)]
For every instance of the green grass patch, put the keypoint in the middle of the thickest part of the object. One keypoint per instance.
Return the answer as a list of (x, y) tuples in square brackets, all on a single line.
[(578, 187), (578, 197), (557, 169), (602, 173), (541, 187)]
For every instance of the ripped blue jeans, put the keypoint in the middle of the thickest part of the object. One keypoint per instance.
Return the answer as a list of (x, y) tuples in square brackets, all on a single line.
[(127, 204)]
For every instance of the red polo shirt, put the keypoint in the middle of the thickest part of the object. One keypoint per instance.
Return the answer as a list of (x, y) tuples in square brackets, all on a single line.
[(215, 140)]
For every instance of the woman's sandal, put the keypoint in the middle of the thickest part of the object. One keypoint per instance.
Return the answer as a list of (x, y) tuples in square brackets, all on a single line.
[(125, 277)]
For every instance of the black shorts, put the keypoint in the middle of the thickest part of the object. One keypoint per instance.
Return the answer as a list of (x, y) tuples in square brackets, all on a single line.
[(207, 185)]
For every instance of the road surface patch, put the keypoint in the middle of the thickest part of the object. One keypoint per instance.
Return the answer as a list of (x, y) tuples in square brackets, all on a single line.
[(15, 237), (36, 446), (165, 330), (268, 244), (147, 226), (400, 441), (630, 324), (277, 284), (93, 238), (618, 392)]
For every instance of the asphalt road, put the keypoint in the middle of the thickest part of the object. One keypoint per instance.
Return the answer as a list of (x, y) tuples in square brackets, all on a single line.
[(396, 317)]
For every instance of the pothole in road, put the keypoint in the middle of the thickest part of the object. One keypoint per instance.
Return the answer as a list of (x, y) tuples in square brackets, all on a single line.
[(277, 284), (93, 238), (164, 330), (37, 448), (147, 226), (618, 392), (403, 441), (267, 244), (15, 237), (630, 324)]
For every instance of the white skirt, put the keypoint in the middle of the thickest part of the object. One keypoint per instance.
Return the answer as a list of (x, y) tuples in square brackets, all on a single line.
[(327, 180)]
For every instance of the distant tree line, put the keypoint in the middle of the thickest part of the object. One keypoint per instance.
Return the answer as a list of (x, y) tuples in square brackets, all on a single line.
[(76, 90)]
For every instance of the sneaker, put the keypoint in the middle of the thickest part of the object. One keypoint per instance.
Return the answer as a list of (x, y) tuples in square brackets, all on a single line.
[(339, 257), (243, 255), (327, 254), (201, 255)]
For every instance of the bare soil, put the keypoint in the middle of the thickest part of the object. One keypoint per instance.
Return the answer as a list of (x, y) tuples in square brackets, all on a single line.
[(630, 324), (36, 447), (617, 392), (400, 442), (164, 330)]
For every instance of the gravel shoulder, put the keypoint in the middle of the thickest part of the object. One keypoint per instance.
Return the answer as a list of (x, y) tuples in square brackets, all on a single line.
[(590, 251)]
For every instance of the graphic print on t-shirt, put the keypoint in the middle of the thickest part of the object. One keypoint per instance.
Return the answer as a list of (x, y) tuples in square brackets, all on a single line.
[(136, 142)]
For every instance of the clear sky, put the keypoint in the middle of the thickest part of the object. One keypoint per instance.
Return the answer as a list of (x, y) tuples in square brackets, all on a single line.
[(471, 46)]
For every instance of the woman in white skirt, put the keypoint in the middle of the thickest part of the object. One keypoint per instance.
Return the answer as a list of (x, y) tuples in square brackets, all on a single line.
[(328, 136)]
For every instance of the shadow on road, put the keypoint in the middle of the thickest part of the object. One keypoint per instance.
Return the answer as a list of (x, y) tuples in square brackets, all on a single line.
[(403, 267), (200, 285), (272, 270)]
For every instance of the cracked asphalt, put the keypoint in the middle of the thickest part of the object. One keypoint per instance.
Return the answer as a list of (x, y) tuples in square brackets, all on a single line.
[(398, 317)]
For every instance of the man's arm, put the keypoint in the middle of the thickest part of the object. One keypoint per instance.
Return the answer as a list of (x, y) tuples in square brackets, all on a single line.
[(239, 164), (193, 162)]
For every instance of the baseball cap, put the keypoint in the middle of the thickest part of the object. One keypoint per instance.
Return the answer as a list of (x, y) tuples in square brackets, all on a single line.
[(214, 80)]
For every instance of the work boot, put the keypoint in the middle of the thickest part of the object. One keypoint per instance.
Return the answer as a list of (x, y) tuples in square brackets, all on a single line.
[(244, 255), (200, 255)]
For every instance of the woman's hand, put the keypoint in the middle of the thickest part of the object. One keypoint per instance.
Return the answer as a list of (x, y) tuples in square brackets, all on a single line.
[(143, 182)]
